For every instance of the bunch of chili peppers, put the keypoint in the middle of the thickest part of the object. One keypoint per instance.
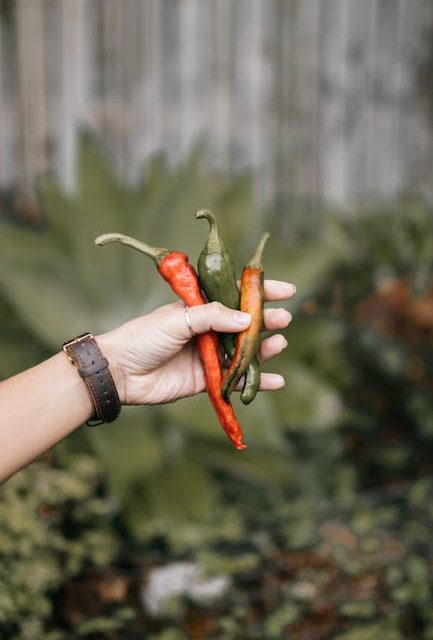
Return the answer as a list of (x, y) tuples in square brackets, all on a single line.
[(216, 278)]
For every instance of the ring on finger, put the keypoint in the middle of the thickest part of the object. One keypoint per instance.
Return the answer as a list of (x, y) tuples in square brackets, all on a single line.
[(188, 321)]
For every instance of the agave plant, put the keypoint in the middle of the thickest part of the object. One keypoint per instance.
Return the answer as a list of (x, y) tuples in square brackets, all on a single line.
[(55, 284)]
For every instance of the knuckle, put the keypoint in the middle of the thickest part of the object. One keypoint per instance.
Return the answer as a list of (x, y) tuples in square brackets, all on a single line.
[(217, 307)]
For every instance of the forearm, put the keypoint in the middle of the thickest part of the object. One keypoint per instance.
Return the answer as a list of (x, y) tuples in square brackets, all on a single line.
[(151, 360), (38, 408)]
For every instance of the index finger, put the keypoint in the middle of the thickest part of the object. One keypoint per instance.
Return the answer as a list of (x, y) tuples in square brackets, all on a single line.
[(278, 290)]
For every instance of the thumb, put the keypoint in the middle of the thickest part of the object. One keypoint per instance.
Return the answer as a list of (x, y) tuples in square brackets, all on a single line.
[(216, 316)]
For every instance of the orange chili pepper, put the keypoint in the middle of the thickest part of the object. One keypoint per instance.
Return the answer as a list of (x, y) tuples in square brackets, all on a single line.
[(252, 298), (182, 277)]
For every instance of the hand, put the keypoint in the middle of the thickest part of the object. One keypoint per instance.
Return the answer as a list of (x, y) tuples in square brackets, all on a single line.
[(153, 359)]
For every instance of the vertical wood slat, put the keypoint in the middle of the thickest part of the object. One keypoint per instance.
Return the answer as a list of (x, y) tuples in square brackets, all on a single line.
[(418, 115), (370, 115), (401, 110), (4, 152), (146, 98), (263, 86), (250, 82), (306, 68), (31, 83), (170, 107), (73, 90), (9, 112), (399, 95), (113, 117), (284, 91), (222, 79), (357, 96), (132, 53), (382, 160), (334, 73), (189, 73)]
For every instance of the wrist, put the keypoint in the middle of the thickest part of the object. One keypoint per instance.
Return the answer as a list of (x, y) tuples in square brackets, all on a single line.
[(93, 367), (109, 347)]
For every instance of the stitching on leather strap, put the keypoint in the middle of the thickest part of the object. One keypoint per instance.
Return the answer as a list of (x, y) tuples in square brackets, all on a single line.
[(84, 352)]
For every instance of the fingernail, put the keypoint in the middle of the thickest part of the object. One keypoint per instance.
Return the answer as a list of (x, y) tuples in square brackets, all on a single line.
[(277, 381), (242, 318), (293, 287), (286, 313), (284, 341)]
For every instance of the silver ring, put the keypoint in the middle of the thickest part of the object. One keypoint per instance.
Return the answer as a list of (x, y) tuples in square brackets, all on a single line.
[(188, 321)]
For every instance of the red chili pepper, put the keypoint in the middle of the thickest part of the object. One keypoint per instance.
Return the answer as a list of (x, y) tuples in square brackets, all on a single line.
[(182, 277)]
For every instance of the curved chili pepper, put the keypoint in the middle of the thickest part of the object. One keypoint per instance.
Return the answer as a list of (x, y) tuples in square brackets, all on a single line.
[(182, 277), (252, 297), (218, 281)]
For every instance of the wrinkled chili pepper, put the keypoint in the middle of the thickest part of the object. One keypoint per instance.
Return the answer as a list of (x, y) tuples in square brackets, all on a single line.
[(182, 277), (218, 281), (252, 298)]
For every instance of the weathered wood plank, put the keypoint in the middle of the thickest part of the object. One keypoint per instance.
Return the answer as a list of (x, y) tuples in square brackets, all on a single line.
[(71, 108), (31, 91), (9, 103), (4, 120), (146, 101), (222, 68), (382, 163), (417, 124), (334, 71), (307, 96)]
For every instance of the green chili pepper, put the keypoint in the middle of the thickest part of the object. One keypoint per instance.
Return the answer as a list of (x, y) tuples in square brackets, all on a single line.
[(218, 280), (251, 300)]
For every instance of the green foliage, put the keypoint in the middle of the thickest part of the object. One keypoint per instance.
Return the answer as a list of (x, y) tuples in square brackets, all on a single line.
[(105, 626), (309, 567), (324, 523), (394, 241), (17, 346), (54, 283), (55, 524)]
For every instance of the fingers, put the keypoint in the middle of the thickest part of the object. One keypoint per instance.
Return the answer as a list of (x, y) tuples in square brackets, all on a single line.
[(276, 319), (216, 316), (279, 290), (268, 382), (204, 317), (271, 381), (271, 347)]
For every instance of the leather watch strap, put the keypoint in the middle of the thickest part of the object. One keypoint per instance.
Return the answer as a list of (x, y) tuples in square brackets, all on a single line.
[(85, 354)]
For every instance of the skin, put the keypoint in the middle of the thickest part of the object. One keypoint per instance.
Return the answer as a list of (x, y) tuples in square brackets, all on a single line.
[(153, 360)]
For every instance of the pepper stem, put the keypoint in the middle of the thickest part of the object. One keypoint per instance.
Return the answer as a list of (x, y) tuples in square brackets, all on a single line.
[(156, 253), (214, 243), (256, 260)]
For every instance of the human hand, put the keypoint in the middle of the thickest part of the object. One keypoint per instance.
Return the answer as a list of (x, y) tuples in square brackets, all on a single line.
[(153, 359)]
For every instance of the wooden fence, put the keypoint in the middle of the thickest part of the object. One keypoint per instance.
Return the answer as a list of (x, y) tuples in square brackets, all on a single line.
[(325, 99)]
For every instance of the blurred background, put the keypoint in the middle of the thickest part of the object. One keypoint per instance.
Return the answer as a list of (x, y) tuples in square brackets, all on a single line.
[(313, 120)]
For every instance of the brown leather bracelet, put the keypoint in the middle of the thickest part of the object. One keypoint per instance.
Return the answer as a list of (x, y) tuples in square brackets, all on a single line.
[(85, 354)]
